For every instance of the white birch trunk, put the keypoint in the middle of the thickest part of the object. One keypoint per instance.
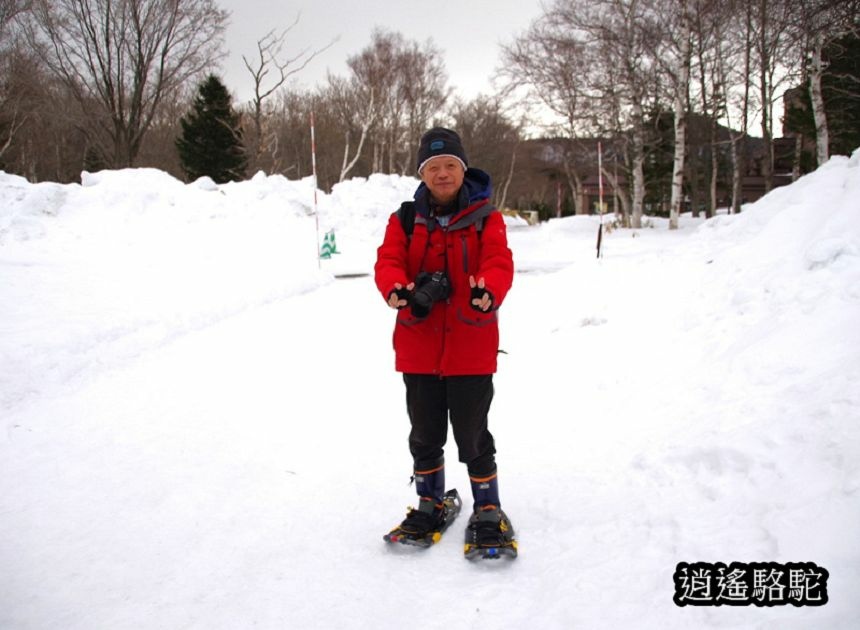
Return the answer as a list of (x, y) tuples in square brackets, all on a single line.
[(739, 141), (681, 88), (712, 207), (678, 165), (638, 188), (575, 184), (346, 168), (822, 134), (618, 196), (13, 128), (377, 157), (508, 180), (736, 174)]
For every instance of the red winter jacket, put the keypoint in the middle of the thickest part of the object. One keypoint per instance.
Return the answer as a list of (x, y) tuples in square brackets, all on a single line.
[(454, 338)]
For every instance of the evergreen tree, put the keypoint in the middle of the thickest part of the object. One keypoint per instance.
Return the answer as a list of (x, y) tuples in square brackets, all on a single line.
[(659, 156), (211, 140), (840, 87)]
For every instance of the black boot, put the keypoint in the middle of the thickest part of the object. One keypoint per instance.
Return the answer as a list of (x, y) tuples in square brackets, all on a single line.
[(428, 518), (430, 486), (489, 533), (436, 510)]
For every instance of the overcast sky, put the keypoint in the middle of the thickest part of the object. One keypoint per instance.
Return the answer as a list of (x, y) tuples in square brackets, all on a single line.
[(467, 31)]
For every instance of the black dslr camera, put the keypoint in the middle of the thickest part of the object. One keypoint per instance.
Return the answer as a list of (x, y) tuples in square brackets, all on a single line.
[(429, 288)]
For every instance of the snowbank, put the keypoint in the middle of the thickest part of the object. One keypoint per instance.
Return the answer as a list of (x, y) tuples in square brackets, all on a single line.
[(133, 258)]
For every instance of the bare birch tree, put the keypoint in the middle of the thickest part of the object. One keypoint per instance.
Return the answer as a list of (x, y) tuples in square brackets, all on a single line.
[(772, 60), (620, 27), (670, 27), (492, 139), (9, 10), (270, 59), (13, 109), (376, 68), (713, 23), (550, 61), (732, 69), (19, 96), (409, 87), (424, 94), (356, 108)]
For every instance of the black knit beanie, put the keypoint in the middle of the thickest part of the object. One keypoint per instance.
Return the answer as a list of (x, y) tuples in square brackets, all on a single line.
[(440, 141)]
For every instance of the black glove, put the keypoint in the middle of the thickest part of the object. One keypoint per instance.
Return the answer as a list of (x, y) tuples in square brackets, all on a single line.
[(402, 294), (478, 294)]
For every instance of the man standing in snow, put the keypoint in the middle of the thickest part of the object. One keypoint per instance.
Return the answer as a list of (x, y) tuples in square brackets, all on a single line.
[(445, 265)]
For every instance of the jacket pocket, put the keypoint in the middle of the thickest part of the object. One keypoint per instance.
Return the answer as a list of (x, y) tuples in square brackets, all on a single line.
[(476, 318), (406, 318)]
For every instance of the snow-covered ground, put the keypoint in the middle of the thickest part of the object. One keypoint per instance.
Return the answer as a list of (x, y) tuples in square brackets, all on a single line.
[(199, 428)]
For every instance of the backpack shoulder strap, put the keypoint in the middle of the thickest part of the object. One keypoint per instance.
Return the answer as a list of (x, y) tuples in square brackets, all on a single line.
[(406, 215)]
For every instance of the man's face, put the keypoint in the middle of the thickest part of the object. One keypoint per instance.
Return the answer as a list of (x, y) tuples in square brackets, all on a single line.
[(443, 175)]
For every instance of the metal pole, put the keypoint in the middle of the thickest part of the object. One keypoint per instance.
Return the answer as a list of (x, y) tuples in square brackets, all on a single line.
[(316, 209), (600, 195)]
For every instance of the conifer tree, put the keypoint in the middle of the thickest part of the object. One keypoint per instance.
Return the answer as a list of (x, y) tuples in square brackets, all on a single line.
[(211, 139), (840, 87)]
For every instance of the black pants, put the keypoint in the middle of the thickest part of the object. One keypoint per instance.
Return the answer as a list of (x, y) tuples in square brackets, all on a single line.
[(429, 401)]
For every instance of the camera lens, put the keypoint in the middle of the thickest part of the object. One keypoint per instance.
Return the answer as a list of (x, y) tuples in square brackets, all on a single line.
[(430, 288)]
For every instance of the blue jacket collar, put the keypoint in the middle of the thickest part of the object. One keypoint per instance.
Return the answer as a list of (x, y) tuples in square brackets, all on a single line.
[(476, 187)]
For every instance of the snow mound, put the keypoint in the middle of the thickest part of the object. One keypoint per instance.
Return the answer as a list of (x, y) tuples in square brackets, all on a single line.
[(789, 224), (23, 206), (795, 251)]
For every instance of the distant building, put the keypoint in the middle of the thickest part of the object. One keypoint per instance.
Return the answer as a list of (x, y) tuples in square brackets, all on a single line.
[(548, 169)]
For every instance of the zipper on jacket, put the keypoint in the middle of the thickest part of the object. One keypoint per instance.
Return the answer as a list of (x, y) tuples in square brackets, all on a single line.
[(465, 253), (439, 367), (440, 372)]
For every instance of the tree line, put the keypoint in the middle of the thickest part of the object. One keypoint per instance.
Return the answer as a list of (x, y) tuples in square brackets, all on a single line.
[(616, 68), (670, 87)]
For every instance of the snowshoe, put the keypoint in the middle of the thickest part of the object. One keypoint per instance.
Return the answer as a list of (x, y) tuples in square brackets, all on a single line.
[(424, 527), (489, 534)]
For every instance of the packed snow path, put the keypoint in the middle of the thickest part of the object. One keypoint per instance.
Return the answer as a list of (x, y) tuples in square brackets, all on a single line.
[(686, 398)]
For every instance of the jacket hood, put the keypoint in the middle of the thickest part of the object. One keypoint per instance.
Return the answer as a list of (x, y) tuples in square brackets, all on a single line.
[(476, 187)]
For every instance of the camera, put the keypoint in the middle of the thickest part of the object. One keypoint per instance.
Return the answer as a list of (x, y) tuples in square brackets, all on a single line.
[(429, 288)]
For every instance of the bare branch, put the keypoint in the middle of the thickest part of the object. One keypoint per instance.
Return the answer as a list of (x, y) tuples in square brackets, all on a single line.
[(268, 58), (124, 56)]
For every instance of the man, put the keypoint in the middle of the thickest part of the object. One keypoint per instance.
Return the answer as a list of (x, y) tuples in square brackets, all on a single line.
[(445, 265)]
